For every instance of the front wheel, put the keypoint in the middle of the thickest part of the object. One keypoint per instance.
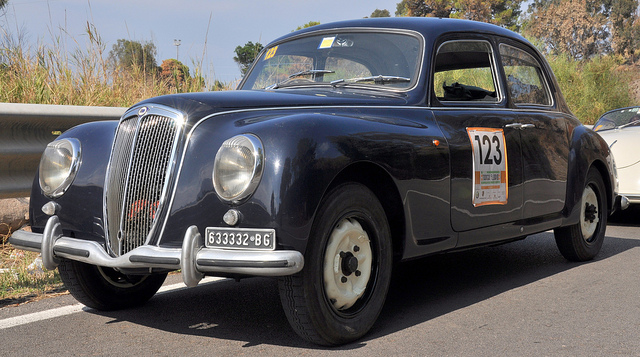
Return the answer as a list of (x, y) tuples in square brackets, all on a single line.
[(340, 292), (105, 288), (583, 240)]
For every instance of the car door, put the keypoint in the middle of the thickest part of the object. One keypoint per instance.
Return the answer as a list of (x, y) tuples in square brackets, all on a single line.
[(483, 136), (543, 131)]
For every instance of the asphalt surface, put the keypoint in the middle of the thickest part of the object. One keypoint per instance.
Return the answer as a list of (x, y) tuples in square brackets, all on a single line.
[(517, 299)]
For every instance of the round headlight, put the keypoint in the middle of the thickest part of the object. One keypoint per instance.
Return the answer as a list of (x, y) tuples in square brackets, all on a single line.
[(58, 166), (237, 168)]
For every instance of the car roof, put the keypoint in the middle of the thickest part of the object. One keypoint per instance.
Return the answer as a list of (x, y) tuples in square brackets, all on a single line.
[(430, 27)]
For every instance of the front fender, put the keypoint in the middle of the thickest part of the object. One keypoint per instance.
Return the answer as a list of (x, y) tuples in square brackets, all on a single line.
[(81, 206)]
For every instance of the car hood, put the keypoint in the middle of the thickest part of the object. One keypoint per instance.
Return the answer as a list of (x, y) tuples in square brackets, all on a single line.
[(199, 105), (624, 145)]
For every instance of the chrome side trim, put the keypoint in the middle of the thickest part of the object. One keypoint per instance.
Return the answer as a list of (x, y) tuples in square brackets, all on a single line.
[(193, 258)]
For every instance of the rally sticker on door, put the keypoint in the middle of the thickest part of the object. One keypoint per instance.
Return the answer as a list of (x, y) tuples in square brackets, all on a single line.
[(490, 182)]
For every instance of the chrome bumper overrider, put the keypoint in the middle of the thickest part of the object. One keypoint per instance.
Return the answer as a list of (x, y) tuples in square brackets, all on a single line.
[(193, 258)]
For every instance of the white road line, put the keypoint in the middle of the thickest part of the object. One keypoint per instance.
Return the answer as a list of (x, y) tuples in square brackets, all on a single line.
[(72, 309), (39, 316)]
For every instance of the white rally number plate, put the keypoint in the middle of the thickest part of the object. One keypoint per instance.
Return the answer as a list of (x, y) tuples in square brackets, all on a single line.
[(240, 238)]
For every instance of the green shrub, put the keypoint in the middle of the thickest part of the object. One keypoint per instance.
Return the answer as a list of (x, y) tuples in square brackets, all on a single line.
[(592, 87)]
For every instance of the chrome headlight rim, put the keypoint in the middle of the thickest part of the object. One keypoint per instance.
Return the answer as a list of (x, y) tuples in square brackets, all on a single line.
[(254, 144), (75, 150)]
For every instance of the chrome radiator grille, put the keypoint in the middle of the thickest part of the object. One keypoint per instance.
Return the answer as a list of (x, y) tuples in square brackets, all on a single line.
[(138, 177)]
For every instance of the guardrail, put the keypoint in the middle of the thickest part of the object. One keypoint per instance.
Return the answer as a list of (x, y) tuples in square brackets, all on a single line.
[(26, 129)]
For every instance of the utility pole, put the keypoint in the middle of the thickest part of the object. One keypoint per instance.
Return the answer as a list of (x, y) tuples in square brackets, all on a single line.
[(177, 44)]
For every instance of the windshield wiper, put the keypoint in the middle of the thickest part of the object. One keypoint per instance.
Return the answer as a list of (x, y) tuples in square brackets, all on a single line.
[(375, 79), (310, 71), (299, 74), (635, 122)]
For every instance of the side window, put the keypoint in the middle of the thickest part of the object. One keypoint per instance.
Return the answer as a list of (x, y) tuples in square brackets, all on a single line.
[(464, 71), (525, 79)]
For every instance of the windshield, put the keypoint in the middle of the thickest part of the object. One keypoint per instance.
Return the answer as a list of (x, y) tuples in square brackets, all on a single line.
[(618, 119), (385, 60)]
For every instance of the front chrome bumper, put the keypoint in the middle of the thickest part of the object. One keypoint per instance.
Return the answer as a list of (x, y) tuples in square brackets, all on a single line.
[(194, 259)]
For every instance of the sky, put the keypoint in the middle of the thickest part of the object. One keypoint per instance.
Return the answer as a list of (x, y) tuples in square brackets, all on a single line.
[(208, 30)]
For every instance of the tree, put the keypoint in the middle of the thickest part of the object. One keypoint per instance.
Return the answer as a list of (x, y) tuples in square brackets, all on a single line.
[(380, 13), (575, 27), (611, 26), (499, 12), (307, 25), (624, 27), (412, 8), (174, 72), (245, 55), (133, 54)]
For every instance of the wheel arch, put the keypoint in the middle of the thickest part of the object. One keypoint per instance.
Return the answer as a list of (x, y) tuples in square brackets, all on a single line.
[(606, 178), (380, 182), (588, 150)]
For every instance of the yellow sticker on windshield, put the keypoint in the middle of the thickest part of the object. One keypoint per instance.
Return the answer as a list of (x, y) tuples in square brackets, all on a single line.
[(490, 169), (327, 42), (270, 53)]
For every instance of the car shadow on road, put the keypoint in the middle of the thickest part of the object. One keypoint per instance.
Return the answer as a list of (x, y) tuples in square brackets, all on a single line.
[(249, 311)]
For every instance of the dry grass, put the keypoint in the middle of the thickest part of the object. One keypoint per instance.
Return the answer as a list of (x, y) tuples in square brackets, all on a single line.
[(21, 279), (49, 74)]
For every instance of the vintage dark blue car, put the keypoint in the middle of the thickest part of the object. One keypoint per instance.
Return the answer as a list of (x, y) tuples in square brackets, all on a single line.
[(348, 147)]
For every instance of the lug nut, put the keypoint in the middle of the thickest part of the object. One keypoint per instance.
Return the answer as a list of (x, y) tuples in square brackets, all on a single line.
[(356, 249), (358, 273), (343, 279)]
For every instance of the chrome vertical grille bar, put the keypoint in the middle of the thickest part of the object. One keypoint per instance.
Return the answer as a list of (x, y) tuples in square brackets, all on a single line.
[(120, 158), (138, 178)]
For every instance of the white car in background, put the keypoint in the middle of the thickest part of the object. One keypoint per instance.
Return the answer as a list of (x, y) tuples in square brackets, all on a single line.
[(620, 128)]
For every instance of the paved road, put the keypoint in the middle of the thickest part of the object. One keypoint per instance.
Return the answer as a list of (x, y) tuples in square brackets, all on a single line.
[(519, 299)]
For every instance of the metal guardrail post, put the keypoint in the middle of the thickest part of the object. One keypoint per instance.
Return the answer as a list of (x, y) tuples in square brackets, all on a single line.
[(26, 129)]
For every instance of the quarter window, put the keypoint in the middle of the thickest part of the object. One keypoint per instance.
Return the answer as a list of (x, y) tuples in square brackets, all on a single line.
[(464, 71), (525, 81)]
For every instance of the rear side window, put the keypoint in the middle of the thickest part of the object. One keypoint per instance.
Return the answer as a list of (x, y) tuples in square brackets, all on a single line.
[(525, 80), (464, 71)]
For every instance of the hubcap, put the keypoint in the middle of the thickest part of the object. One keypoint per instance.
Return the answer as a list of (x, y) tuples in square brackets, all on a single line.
[(347, 264), (589, 216)]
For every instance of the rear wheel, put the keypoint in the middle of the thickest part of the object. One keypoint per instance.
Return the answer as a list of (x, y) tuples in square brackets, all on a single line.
[(583, 240), (105, 288), (340, 292)]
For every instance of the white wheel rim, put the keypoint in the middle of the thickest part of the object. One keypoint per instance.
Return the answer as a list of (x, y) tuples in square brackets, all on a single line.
[(347, 242), (588, 225)]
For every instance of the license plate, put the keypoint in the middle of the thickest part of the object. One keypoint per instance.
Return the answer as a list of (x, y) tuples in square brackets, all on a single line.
[(240, 238)]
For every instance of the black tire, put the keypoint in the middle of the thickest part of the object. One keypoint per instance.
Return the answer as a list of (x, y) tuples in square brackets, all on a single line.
[(339, 294), (105, 288), (582, 241)]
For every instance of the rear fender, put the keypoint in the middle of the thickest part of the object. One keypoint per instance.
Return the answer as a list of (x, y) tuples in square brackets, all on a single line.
[(587, 150)]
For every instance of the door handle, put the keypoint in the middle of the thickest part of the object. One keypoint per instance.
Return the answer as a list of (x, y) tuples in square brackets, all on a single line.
[(519, 126)]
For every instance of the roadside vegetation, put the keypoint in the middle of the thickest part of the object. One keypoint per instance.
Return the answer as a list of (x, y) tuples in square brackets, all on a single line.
[(89, 75), (22, 277)]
